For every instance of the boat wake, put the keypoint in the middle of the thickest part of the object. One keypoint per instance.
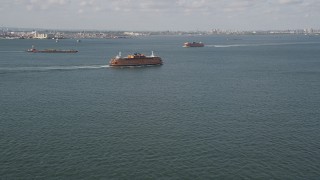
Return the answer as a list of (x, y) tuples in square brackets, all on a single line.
[(263, 44), (12, 51), (49, 68)]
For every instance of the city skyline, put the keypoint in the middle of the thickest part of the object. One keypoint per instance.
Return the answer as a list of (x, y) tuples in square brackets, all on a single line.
[(151, 15)]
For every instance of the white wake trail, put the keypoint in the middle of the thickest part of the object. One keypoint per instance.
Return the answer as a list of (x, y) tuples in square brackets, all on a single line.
[(262, 44), (50, 68), (12, 51)]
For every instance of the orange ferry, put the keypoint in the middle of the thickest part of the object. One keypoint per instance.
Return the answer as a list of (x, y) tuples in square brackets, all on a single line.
[(193, 44), (135, 59)]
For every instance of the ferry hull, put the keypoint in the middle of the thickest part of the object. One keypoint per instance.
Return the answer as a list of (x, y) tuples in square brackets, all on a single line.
[(193, 44), (135, 62), (52, 51), (187, 46)]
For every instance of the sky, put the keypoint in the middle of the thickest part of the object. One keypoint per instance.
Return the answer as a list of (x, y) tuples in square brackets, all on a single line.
[(161, 15)]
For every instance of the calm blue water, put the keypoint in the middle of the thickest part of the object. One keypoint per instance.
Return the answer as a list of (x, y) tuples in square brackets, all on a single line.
[(243, 107)]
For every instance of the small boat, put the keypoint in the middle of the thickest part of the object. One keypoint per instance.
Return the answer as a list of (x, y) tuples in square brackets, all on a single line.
[(193, 44), (34, 50), (136, 59)]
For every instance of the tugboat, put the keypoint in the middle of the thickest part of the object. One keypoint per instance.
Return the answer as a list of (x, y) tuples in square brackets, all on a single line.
[(136, 59), (34, 50), (193, 44)]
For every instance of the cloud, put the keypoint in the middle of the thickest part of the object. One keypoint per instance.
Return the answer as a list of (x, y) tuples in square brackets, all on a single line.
[(40, 4), (203, 12), (286, 2), (238, 6), (159, 6), (87, 3)]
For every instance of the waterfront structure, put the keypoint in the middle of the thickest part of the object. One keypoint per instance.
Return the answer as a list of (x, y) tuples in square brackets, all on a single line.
[(42, 36)]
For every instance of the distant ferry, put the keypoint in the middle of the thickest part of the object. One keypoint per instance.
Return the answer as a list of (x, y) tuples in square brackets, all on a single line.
[(193, 44), (34, 50), (135, 59)]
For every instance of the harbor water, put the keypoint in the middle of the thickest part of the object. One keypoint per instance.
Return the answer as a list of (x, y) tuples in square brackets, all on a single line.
[(242, 107)]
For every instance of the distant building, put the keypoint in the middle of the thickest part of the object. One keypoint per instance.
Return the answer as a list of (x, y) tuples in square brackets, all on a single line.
[(132, 34), (308, 31), (37, 35)]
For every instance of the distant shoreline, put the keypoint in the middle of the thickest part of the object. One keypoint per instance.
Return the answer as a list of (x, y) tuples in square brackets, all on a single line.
[(20, 33)]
